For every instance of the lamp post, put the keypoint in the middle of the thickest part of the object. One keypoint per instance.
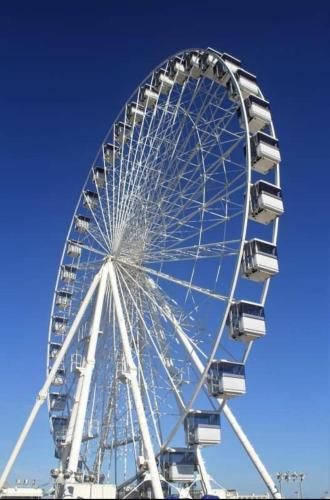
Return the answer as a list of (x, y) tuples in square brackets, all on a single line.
[(291, 476), (279, 477), (301, 476)]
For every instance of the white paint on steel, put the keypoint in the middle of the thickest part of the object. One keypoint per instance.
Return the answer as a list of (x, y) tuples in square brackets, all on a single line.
[(42, 395), (111, 224), (154, 475), (235, 275), (203, 471), (228, 413), (86, 373)]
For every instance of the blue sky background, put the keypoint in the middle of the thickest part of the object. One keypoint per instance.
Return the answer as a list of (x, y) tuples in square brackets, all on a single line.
[(66, 70)]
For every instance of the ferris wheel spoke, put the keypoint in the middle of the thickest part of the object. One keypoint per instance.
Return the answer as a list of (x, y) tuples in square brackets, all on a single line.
[(165, 210), (202, 109), (108, 418), (216, 198), (100, 232), (140, 162), (194, 194), (211, 136), (196, 252), (97, 241), (185, 235), (224, 185), (138, 358), (135, 438), (177, 228), (146, 160), (108, 185), (91, 249), (193, 152), (162, 303), (192, 235), (185, 115), (183, 221), (165, 311), (172, 279), (158, 349), (230, 150), (135, 147), (90, 266), (100, 193)]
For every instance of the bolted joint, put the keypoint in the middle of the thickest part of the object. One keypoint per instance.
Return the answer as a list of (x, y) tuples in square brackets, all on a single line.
[(67, 474), (90, 363), (42, 395)]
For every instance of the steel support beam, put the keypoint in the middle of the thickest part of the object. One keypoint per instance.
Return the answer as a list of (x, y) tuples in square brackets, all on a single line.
[(42, 395), (86, 374), (132, 374), (266, 477)]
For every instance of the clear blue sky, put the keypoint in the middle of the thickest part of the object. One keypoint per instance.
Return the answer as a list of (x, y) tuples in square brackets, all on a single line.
[(66, 70)]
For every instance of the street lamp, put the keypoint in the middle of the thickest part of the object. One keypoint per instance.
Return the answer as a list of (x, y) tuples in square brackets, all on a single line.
[(279, 477), (291, 476), (301, 476)]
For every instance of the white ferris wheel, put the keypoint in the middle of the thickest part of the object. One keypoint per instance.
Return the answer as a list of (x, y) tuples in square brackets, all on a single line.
[(162, 284)]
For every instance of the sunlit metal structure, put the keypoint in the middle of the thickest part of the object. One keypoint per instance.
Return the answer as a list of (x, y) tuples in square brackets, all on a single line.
[(182, 202)]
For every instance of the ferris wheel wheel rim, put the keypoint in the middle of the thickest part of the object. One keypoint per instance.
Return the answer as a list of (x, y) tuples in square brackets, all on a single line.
[(245, 224)]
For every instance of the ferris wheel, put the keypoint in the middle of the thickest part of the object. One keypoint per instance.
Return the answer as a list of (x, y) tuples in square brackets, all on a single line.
[(162, 284)]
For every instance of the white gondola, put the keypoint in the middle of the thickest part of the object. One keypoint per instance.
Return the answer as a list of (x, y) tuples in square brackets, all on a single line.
[(123, 131), (209, 62), (59, 446), (247, 83), (202, 428), (57, 401), (73, 249), (135, 113), (221, 70), (226, 379), (259, 261), (68, 273), (99, 177), (232, 62), (59, 325), (178, 465), (178, 71), (91, 199), (59, 378), (63, 299), (258, 114), (110, 152), (246, 321), (192, 64), (82, 224), (163, 82), (265, 153), (148, 96), (54, 349), (60, 424), (266, 202)]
